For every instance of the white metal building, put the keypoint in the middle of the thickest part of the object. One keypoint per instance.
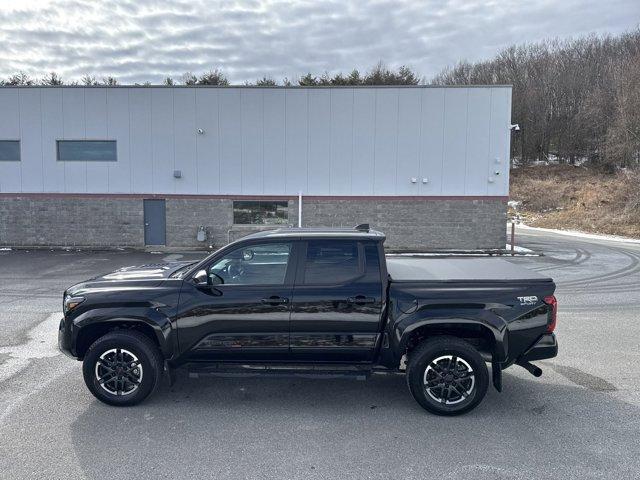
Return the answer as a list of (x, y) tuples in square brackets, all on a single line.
[(417, 153)]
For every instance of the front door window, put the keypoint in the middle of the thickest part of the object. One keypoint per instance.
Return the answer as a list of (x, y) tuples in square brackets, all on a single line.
[(264, 264)]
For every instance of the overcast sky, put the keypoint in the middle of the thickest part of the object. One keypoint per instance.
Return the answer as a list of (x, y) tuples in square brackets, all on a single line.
[(139, 40)]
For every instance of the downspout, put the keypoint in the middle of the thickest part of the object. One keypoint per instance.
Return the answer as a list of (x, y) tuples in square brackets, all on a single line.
[(300, 209)]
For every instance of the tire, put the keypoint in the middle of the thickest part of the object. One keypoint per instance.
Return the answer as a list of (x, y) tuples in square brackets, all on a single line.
[(122, 368), (453, 391)]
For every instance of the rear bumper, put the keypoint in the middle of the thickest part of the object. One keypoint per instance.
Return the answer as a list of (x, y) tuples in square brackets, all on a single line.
[(545, 347)]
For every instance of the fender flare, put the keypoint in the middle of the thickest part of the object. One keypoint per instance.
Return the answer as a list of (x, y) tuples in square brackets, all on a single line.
[(498, 332), (160, 324)]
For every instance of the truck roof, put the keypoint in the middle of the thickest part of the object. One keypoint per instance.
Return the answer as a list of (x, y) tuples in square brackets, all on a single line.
[(360, 232)]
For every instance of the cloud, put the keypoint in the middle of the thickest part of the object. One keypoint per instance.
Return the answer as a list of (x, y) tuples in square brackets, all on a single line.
[(139, 40)]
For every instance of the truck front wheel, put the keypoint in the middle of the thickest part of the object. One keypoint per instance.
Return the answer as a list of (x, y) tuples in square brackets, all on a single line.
[(122, 368), (447, 376)]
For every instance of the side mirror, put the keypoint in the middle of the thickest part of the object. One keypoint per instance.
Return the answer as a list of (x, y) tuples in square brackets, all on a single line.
[(247, 255), (200, 278)]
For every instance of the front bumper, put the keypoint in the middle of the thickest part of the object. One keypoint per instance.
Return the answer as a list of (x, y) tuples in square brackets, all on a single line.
[(64, 339), (545, 347)]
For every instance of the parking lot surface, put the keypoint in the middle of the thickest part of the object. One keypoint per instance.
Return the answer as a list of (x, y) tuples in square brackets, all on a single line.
[(580, 420)]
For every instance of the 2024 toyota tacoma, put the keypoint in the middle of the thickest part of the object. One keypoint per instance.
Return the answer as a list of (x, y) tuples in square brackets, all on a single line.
[(312, 302)]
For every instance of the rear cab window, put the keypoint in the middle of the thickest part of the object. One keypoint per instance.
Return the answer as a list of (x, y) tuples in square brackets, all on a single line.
[(331, 262)]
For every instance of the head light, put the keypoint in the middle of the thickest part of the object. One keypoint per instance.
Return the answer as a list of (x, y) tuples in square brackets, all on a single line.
[(72, 302)]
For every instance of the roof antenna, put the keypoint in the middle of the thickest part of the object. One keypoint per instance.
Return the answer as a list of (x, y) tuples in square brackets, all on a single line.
[(362, 227)]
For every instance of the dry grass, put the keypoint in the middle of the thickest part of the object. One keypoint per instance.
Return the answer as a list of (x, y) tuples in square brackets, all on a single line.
[(578, 198)]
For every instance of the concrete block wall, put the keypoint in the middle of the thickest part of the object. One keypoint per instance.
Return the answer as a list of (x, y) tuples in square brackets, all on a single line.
[(71, 221), (410, 224), (417, 224)]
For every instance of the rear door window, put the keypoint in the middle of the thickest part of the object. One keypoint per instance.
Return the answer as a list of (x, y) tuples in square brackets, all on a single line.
[(329, 262)]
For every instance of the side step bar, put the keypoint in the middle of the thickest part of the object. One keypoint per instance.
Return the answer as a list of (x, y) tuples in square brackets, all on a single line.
[(278, 370)]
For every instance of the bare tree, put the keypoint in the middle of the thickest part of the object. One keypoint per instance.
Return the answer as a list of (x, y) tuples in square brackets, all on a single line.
[(52, 79), (89, 80), (213, 77), (189, 78), (266, 82), (20, 78)]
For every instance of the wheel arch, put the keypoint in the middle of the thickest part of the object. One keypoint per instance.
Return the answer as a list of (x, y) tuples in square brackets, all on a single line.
[(90, 332), (489, 341)]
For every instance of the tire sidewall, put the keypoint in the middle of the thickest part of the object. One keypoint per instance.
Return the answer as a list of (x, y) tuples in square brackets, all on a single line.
[(135, 346), (424, 356)]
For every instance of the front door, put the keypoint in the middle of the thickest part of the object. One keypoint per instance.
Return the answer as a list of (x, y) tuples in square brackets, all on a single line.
[(337, 302), (155, 222), (243, 314)]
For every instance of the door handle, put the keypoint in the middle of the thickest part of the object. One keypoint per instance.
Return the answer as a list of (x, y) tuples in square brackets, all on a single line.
[(361, 300), (275, 300)]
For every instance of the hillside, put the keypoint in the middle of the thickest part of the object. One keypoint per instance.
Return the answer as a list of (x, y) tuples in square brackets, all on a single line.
[(577, 198)]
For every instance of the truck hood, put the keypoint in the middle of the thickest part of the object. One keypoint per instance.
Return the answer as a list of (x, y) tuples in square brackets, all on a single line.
[(142, 276), (150, 271)]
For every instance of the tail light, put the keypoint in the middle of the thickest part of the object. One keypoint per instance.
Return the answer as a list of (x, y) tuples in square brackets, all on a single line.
[(553, 303)]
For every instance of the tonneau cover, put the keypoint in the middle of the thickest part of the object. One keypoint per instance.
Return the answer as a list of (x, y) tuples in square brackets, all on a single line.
[(458, 269)]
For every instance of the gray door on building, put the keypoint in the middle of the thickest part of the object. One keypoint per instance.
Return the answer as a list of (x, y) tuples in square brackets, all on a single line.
[(155, 222)]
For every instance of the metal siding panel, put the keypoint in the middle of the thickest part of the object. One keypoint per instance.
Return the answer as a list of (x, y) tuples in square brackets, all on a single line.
[(10, 172), (252, 141), (386, 141), (364, 129), (162, 139), (208, 143), (230, 140), (31, 140), (184, 127), (342, 143), (478, 132), (73, 128), (431, 141), (95, 108), (296, 140), (274, 142), (53, 171), (500, 141), (318, 170), (10, 118), (408, 142), (455, 141), (118, 128), (140, 140)]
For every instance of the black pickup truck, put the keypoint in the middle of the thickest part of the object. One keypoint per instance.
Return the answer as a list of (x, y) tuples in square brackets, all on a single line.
[(312, 302)]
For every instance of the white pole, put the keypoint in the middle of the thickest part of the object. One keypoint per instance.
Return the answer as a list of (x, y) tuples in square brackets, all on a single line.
[(299, 209)]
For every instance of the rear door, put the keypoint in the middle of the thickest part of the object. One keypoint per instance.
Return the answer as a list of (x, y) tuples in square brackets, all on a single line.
[(337, 302)]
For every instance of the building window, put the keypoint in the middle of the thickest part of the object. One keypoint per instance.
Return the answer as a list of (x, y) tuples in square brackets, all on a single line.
[(259, 213), (87, 151), (9, 150)]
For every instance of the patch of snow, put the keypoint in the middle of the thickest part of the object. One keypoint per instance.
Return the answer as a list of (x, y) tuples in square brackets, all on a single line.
[(522, 251), (41, 343), (575, 233), (5, 249)]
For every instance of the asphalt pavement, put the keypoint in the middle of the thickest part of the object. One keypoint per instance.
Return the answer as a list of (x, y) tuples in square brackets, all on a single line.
[(579, 420)]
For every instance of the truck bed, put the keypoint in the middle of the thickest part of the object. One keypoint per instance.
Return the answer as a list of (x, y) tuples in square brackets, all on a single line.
[(458, 269)]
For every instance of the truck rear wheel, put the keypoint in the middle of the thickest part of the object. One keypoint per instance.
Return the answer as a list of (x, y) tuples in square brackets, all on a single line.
[(447, 376), (122, 368)]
